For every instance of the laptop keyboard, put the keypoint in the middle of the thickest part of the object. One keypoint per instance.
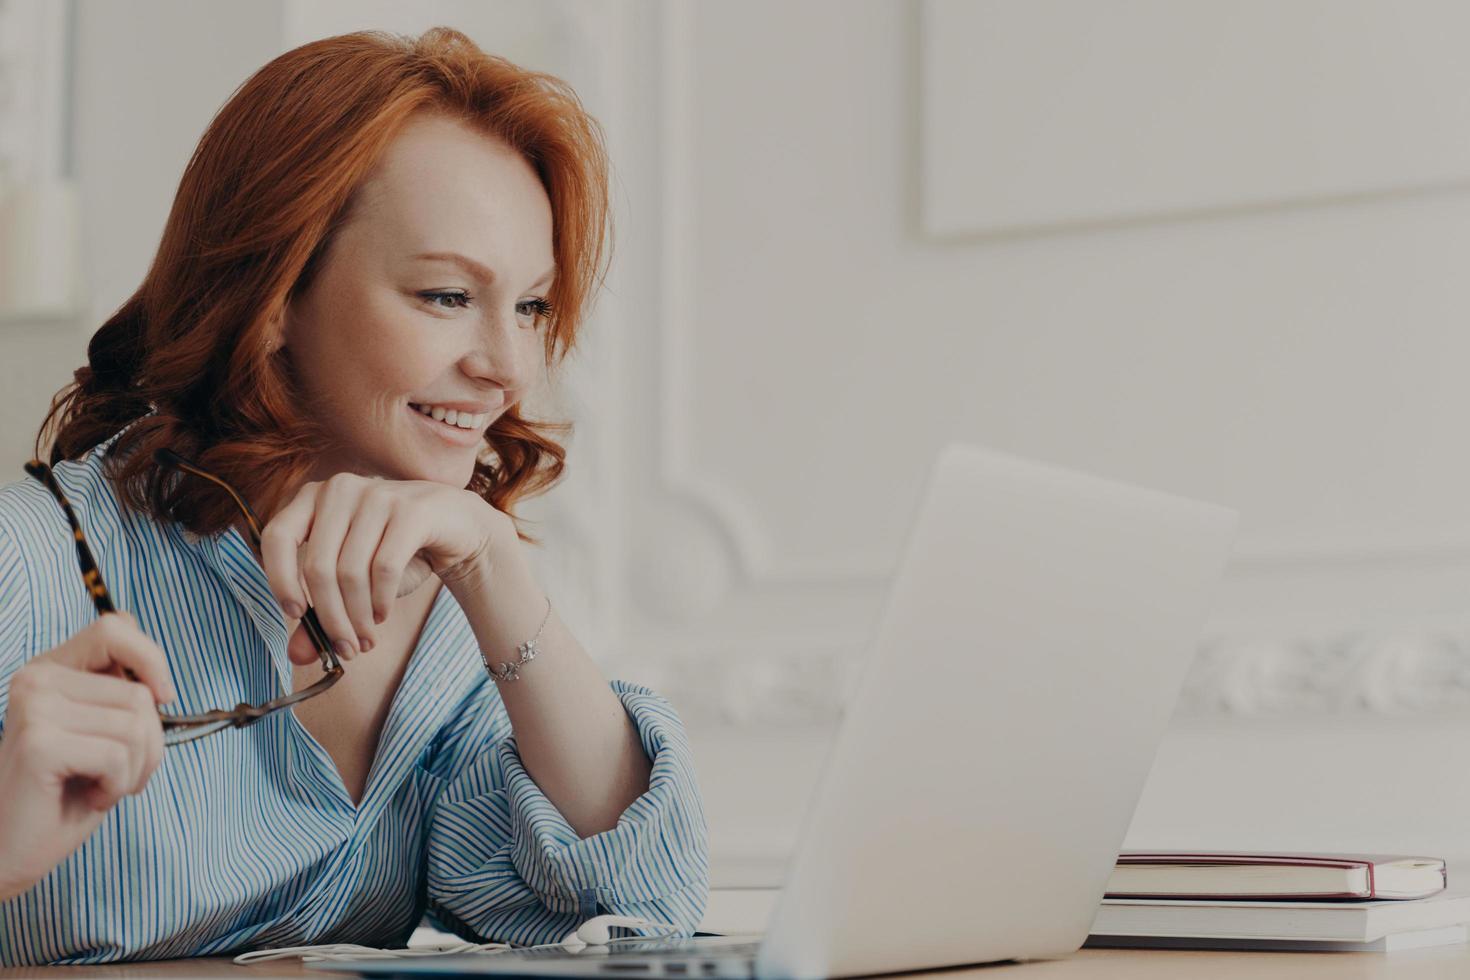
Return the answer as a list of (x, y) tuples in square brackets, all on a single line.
[(727, 961)]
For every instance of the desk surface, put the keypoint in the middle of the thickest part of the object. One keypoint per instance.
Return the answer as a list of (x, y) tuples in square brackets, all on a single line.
[(1443, 961)]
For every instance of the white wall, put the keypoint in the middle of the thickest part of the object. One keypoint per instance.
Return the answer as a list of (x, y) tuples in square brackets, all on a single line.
[(147, 80), (1291, 348), (784, 346)]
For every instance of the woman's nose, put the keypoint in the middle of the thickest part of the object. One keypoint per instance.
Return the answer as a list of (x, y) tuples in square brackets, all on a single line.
[(506, 354)]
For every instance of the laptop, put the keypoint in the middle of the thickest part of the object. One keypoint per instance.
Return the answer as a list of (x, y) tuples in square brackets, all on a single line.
[(974, 800)]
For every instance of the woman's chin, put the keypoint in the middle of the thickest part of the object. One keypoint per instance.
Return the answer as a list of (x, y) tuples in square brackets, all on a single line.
[(441, 467)]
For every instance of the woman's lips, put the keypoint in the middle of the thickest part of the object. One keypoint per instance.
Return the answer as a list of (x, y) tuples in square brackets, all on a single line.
[(451, 434)]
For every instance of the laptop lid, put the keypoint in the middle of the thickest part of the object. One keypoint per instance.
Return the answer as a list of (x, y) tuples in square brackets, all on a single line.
[(1025, 665)]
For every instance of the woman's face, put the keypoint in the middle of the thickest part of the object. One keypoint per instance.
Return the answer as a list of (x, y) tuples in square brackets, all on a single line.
[(393, 321)]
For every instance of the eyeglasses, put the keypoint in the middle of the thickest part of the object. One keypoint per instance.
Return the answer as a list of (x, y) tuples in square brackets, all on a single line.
[(178, 729)]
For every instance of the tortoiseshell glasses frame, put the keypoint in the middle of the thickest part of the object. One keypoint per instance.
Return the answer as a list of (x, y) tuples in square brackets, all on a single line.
[(178, 729)]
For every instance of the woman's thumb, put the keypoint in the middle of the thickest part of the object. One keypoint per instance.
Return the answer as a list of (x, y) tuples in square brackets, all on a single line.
[(300, 649)]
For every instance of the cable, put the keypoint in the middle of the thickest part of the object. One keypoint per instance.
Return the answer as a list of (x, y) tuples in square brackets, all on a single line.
[(590, 935), (352, 951)]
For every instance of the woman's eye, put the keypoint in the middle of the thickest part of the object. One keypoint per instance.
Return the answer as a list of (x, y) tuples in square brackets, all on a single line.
[(538, 308), (453, 299), (459, 300)]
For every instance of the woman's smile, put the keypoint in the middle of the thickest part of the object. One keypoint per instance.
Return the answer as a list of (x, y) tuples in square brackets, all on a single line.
[(451, 434)]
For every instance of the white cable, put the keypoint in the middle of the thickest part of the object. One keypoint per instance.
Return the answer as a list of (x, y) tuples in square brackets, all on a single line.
[(352, 951)]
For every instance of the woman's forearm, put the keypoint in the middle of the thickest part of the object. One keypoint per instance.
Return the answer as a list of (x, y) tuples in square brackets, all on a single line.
[(573, 734)]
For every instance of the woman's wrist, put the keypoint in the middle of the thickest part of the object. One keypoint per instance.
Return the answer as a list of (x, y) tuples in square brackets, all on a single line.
[(13, 880), (498, 545)]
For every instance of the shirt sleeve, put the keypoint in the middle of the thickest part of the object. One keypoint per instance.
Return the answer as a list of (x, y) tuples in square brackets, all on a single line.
[(15, 611), (505, 866)]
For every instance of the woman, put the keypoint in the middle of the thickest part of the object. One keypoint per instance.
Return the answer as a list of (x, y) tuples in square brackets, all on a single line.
[(376, 247)]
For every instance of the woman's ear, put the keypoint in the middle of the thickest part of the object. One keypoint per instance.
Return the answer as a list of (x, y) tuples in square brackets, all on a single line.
[(276, 337)]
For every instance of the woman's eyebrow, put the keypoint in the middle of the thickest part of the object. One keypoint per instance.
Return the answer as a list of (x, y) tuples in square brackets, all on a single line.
[(479, 270)]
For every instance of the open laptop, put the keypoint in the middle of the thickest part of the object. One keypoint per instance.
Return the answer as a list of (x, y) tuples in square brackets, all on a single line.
[(973, 802)]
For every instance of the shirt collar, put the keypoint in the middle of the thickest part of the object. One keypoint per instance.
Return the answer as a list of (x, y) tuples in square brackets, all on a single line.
[(230, 557), (442, 667)]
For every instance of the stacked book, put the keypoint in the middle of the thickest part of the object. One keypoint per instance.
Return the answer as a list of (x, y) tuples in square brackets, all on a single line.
[(1235, 900)]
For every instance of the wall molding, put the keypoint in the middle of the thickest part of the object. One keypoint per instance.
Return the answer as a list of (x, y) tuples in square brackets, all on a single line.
[(1297, 147), (1411, 668), (733, 520), (714, 621), (1371, 671)]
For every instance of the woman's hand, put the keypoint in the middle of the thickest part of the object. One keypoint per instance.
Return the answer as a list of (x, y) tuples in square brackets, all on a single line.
[(351, 545), (78, 736)]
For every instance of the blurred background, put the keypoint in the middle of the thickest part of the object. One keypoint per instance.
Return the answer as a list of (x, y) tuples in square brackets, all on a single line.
[(1213, 247)]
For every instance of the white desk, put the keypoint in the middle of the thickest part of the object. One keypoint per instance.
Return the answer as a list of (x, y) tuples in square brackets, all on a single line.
[(1094, 964)]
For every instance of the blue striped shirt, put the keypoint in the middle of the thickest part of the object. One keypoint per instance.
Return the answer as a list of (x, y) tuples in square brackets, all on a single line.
[(248, 838)]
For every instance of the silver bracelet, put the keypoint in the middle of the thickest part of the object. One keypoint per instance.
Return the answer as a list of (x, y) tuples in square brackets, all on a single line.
[(511, 670)]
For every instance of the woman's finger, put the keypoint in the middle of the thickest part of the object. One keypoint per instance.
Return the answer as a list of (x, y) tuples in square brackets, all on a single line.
[(139, 731), (148, 746), (301, 576), (280, 549), (300, 649), (115, 641), (95, 690), (401, 541), (335, 505), (104, 761), (119, 724), (355, 571)]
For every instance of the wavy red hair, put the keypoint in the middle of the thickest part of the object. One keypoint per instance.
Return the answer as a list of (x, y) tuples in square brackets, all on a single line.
[(271, 180)]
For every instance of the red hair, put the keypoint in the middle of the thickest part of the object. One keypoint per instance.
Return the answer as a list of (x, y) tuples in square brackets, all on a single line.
[(271, 180)]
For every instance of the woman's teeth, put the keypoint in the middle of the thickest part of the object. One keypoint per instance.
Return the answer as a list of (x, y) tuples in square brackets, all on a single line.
[(451, 417)]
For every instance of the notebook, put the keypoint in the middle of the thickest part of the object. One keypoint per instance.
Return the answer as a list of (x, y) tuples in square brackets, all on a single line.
[(1325, 921), (1234, 874), (1392, 943)]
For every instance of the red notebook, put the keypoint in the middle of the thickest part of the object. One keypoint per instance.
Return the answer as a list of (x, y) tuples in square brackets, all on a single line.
[(1235, 875)]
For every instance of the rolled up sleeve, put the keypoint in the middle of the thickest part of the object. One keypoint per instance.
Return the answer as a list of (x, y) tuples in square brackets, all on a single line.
[(15, 614), (504, 864)]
